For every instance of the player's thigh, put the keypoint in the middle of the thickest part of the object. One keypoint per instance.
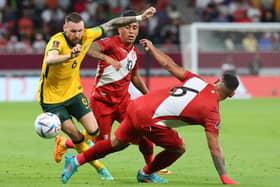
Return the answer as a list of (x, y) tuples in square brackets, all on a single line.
[(78, 106), (127, 133), (164, 137), (122, 108), (58, 109)]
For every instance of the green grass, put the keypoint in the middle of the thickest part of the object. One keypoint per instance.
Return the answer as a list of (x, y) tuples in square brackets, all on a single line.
[(249, 136)]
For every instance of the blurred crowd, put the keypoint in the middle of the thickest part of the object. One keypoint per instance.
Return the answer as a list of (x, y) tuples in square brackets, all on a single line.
[(26, 25), (238, 10)]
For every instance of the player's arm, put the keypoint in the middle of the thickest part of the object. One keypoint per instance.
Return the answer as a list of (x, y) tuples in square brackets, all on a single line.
[(164, 60), (138, 82), (96, 52), (53, 56), (218, 157), (122, 21)]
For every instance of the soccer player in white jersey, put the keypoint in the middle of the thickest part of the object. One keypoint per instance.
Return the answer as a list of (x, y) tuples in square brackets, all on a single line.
[(156, 114)]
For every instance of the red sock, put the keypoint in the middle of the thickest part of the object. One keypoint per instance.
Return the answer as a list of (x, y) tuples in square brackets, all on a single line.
[(146, 147), (99, 150), (161, 161), (69, 143)]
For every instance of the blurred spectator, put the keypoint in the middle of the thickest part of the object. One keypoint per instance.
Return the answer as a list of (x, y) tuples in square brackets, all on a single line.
[(14, 46), (265, 42), (25, 24), (200, 6), (268, 16), (39, 44), (254, 12), (229, 42), (173, 14), (210, 13), (3, 44), (228, 66), (222, 18), (250, 43), (255, 65)]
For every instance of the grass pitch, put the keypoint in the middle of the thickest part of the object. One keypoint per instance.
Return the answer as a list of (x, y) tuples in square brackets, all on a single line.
[(250, 135)]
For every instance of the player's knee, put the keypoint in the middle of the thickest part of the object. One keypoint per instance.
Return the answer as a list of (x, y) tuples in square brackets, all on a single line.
[(117, 145), (180, 149)]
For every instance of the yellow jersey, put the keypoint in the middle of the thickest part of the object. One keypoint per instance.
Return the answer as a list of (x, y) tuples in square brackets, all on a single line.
[(60, 82)]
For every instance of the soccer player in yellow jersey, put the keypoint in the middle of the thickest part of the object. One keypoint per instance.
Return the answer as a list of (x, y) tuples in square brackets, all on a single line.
[(60, 90)]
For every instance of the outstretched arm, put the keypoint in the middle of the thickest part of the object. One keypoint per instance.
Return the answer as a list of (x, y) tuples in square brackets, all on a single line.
[(122, 21), (138, 82), (96, 52), (164, 60), (218, 157)]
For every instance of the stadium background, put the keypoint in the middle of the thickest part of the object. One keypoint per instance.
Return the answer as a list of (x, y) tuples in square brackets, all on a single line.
[(27, 25)]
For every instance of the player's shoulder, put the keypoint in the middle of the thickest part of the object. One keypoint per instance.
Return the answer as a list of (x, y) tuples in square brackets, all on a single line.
[(57, 36), (56, 40)]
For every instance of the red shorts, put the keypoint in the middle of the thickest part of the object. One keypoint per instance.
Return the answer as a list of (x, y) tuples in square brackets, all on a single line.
[(164, 137), (106, 114)]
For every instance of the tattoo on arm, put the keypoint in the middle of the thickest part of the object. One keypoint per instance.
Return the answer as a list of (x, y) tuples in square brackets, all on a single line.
[(118, 22), (96, 52), (219, 164)]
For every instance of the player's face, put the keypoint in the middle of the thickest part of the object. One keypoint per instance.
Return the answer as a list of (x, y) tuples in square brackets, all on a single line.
[(129, 33), (74, 31), (224, 92)]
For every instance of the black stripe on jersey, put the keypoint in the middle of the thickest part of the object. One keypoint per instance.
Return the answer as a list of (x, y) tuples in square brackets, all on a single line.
[(44, 76), (183, 91), (42, 91)]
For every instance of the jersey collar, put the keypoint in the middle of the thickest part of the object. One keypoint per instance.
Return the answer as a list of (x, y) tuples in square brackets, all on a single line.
[(70, 44)]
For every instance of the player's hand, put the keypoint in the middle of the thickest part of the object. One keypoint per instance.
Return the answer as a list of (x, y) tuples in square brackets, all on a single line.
[(75, 51), (148, 13), (116, 64), (147, 44), (226, 180)]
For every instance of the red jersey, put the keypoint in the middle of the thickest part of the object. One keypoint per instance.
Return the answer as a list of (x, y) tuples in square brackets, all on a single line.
[(111, 85), (192, 102)]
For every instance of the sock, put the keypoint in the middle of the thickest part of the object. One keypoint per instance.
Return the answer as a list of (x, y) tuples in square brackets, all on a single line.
[(99, 150), (146, 147), (162, 160), (69, 144), (81, 147)]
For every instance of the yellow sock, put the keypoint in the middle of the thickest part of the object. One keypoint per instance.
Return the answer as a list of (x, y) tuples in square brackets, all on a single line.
[(81, 147), (89, 136)]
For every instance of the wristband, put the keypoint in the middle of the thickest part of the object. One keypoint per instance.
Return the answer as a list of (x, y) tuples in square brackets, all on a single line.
[(139, 18)]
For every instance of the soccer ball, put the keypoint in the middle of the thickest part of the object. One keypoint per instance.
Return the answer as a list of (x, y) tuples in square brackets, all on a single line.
[(47, 125)]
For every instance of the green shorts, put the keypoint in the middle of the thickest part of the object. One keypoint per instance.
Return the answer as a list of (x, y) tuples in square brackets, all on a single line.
[(77, 106)]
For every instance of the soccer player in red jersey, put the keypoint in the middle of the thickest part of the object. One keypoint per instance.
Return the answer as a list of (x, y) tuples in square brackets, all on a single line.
[(155, 115), (110, 96)]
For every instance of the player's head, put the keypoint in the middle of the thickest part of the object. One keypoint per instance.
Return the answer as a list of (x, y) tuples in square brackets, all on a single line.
[(74, 27), (129, 33), (226, 85)]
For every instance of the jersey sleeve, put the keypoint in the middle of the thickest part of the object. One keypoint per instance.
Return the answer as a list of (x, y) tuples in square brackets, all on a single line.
[(212, 122), (95, 33), (104, 44), (55, 44)]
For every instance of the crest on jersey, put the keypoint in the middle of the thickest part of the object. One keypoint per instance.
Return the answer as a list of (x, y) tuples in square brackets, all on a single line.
[(55, 44)]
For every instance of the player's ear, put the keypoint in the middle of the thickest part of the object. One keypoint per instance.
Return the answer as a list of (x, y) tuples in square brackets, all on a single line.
[(232, 94), (64, 27)]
